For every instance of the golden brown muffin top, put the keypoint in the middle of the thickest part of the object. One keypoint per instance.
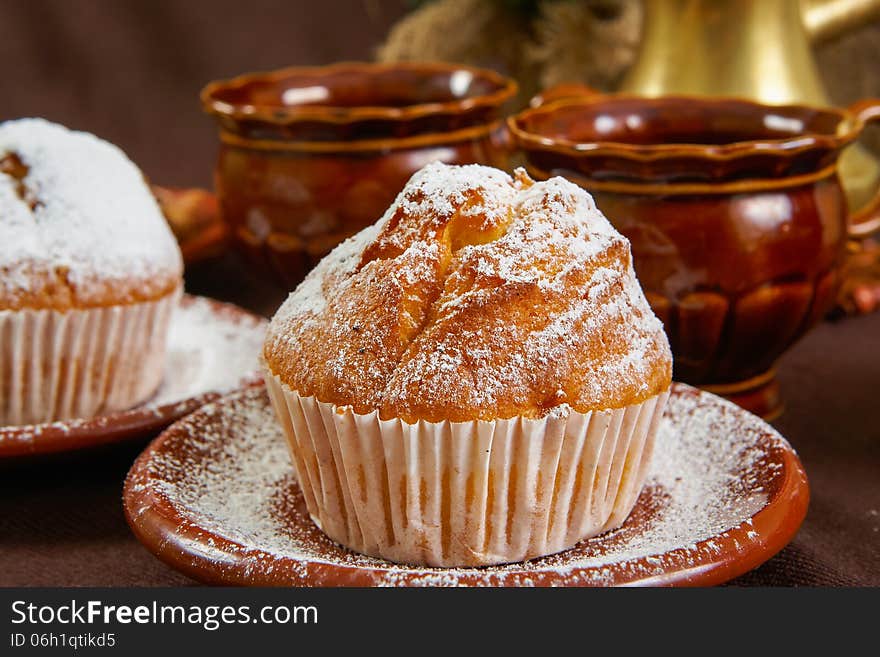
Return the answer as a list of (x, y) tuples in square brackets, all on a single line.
[(476, 296), (79, 226)]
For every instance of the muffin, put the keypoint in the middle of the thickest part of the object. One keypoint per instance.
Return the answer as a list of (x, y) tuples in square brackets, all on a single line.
[(475, 379), (89, 276)]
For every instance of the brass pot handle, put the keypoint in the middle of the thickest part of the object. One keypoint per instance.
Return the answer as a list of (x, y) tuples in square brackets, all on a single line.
[(866, 220), (563, 91)]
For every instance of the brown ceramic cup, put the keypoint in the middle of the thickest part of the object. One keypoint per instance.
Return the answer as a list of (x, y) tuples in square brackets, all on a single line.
[(735, 213), (309, 156)]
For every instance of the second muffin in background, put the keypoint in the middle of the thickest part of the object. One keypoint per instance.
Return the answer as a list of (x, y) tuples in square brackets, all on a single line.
[(475, 379), (90, 275)]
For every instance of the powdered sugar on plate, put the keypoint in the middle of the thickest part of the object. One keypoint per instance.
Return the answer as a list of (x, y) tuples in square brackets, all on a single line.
[(209, 350), (226, 473)]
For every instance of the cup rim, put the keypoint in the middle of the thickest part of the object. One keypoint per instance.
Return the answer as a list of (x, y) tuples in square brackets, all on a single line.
[(506, 88), (849, 125)]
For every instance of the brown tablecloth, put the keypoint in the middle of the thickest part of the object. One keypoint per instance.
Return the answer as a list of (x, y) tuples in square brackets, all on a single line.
[(61, 519)]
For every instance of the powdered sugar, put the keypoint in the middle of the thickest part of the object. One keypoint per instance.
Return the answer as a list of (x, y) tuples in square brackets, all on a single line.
[(82, 208), (439, 191), (209, 350), (227, 472)]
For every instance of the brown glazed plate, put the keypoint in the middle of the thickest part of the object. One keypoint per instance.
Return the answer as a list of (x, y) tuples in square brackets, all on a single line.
[(212, 348), (215, 496)]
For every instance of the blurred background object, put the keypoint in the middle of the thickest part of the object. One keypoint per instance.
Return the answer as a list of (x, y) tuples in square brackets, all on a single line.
[(540, 43), (194, 216), (759, 49), (860, 290)]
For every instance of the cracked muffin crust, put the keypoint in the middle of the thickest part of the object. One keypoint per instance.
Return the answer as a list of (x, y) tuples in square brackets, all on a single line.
[(476, 296)]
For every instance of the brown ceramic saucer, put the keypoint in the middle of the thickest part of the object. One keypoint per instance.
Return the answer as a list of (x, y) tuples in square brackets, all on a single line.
[(212, 348), (215, 496)]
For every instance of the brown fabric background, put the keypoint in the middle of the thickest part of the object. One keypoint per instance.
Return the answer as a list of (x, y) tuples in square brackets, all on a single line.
[(130, 72)]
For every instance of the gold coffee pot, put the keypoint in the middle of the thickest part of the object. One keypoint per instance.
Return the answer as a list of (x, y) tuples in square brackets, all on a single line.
[(759, 49)]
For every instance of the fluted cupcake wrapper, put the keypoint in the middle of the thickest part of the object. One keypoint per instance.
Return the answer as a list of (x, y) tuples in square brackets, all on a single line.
[(80, 363), (466, 493)]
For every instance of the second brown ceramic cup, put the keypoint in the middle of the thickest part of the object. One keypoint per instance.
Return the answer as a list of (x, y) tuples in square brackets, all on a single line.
[(734, 210)]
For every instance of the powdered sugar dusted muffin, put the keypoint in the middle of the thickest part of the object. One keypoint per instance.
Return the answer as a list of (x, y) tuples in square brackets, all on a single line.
[(89, 276), (475, 379)]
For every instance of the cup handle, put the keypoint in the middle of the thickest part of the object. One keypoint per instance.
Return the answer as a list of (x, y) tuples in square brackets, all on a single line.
[(866, 220), (563, 91)]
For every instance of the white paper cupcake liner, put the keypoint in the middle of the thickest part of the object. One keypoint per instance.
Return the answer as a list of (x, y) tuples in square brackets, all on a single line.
[(466, 493), (81, 363)]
